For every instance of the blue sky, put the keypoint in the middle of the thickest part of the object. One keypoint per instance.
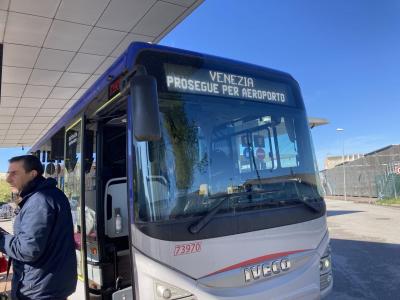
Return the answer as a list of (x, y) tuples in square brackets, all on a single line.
[(344, 54)]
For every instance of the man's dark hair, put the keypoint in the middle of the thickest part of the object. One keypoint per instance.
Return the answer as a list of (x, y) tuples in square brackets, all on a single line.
[(30, 163)]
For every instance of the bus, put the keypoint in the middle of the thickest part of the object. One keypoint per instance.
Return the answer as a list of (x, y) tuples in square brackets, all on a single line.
[(190, 177)]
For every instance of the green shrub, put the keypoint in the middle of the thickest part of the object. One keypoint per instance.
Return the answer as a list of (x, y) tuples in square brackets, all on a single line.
[(5, 191), (389, 201)]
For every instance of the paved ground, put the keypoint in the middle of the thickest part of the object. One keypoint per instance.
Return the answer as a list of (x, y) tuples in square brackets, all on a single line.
[(6, 224), (365, 241)]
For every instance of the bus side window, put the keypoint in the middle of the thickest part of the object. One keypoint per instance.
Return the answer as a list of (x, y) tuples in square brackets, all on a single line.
[(290, 130), (287, 144), (159, 191)]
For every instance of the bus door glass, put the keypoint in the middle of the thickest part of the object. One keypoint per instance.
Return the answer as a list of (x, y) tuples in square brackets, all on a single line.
[(72, 183), (90, 193)]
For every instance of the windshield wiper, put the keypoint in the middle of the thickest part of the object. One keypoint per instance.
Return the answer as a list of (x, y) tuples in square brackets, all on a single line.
[(304, 200), (199, 225), (308, 204)]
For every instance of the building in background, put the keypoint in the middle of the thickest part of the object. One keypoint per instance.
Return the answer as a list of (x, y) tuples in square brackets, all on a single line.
[(332, 161), (376, 174)]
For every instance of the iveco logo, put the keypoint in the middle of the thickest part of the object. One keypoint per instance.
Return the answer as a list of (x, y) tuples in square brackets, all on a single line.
[(267, 269)]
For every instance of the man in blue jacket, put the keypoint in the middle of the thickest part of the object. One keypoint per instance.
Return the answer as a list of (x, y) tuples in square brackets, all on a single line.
[(42, 246)]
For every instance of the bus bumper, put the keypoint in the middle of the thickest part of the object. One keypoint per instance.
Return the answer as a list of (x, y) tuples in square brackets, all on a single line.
[(302, 284)]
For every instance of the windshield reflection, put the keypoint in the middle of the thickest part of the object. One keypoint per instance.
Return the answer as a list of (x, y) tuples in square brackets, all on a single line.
[(259, 154)]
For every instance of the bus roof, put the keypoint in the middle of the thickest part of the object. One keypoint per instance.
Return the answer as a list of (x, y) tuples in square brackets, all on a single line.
[(125, 62)]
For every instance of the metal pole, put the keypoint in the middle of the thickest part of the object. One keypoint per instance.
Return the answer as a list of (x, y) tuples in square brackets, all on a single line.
[(344, 176), (344, 168)]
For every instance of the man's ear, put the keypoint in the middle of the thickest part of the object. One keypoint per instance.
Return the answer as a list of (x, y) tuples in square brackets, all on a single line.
[(34, 173)]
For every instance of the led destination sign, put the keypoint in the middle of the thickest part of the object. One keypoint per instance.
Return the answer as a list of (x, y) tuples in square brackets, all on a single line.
[(216, 83)]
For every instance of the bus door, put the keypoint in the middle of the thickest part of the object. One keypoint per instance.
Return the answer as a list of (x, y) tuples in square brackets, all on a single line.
[(73, 183), (113, 203), (106, 215)]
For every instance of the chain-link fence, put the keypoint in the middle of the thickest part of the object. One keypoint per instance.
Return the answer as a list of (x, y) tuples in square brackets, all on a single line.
[(377, 174)]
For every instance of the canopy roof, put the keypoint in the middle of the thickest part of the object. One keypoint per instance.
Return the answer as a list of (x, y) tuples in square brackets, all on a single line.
[(55, 49)]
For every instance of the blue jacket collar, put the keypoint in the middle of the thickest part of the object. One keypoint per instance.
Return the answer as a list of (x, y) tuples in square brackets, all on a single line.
[(38, 183)]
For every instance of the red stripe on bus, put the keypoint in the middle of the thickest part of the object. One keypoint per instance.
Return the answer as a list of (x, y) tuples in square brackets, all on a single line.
[(256, 260)]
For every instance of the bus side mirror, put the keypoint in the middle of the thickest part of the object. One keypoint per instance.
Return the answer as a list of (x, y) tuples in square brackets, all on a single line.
[(146, 120)]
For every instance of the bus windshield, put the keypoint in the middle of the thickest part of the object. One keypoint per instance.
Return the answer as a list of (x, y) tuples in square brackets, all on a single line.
[(258, 154)]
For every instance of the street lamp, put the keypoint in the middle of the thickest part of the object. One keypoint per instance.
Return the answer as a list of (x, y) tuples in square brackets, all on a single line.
[(344, 168)]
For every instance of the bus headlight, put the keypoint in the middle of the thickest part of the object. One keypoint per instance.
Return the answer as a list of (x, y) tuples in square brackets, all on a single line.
[(325, 263), (165, 291), (325, 269)]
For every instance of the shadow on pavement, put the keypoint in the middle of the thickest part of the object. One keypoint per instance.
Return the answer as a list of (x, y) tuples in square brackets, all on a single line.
[(331, 213), (365, 270)]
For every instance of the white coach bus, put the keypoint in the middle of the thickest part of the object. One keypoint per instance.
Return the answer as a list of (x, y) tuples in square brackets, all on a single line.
[(191, 177)]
